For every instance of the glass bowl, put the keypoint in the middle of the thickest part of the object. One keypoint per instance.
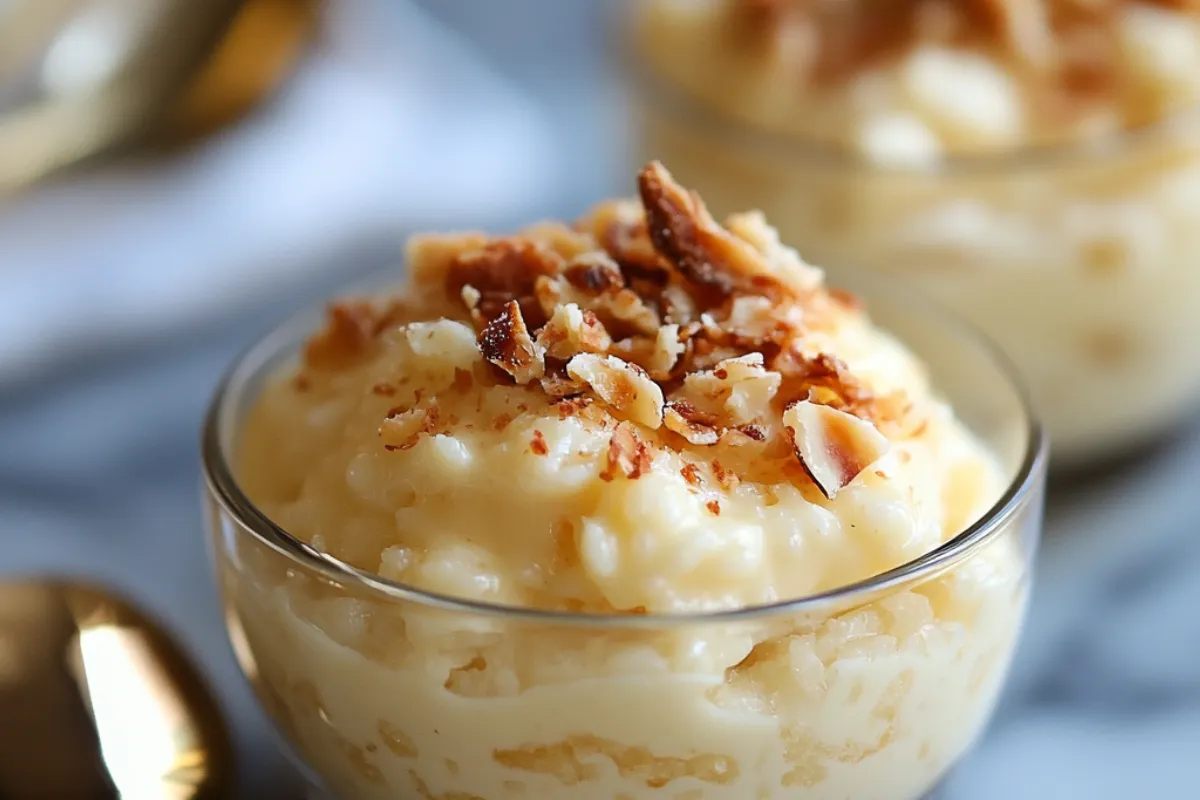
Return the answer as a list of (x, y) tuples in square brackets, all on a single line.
[(1081, 261), (875, 689)]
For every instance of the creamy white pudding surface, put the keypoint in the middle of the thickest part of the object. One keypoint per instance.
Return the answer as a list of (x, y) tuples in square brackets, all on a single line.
[(645, 413)]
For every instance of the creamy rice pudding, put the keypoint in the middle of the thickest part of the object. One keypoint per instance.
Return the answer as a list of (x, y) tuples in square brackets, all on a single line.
[(619, 430), (1036, 165)]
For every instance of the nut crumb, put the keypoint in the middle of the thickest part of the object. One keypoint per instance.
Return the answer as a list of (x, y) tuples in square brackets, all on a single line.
[(401, 430), (691, 474), (628, 454), (714, 507), (538, 445)]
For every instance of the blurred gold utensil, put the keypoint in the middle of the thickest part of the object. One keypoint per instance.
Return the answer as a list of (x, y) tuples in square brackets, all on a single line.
[(78, 77), (97, 701)]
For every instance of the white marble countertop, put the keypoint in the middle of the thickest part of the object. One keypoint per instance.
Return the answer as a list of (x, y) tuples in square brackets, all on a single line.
[(99, 476)]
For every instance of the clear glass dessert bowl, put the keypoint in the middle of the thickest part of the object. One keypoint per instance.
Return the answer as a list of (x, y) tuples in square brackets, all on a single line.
[(870, 690), (1076, 255)]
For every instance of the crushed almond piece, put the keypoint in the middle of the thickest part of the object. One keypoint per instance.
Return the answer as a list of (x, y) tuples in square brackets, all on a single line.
[(706, 254), (622, 385), (538, 445), (726, 478), (695, 426), (594, 273), (628, 454), (401, 430), (714, 507), (503, 271), (833, 447), (505, 342), (558, 384), (691, 474), (572, 330)]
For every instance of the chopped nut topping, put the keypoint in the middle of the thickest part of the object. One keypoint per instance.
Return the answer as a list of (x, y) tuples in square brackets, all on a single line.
[(505, 342), (683, 231), (713, 507), (736, 391), (654, 310), (401, 430), (502, 271), (833, 446), (624, 386), (698, 428), (571, 331), (628, 454), (595, 273), (691, 474)]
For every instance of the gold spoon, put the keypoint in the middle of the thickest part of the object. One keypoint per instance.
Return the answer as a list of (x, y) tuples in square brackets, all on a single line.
[(97, 701)]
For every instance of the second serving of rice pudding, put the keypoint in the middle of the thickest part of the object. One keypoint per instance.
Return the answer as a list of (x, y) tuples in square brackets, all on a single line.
[(649, 416), (1033, 163)]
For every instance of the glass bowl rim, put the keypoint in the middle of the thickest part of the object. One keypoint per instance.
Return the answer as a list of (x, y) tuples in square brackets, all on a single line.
[(659, 92), (219, 480)]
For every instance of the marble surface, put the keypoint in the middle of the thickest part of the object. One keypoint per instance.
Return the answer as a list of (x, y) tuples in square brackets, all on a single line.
[(99, 477)]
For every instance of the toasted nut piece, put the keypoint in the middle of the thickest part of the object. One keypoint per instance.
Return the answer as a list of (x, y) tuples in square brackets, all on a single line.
[(695, 426), (737, 390), (505, 341), (616, 306), (623, 386), (402, 430), (703, 252), (667, 350), (833, 446), (571, 331), (752, 227), (503, 270), (594, 273), (628, 454)]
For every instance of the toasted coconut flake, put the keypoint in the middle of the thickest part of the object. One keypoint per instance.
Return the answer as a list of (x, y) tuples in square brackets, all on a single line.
[(401, 430), (833, 447), (695, 426), (623, 386), (505, 342), (571, 331), (628, 454), (705, 253)]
